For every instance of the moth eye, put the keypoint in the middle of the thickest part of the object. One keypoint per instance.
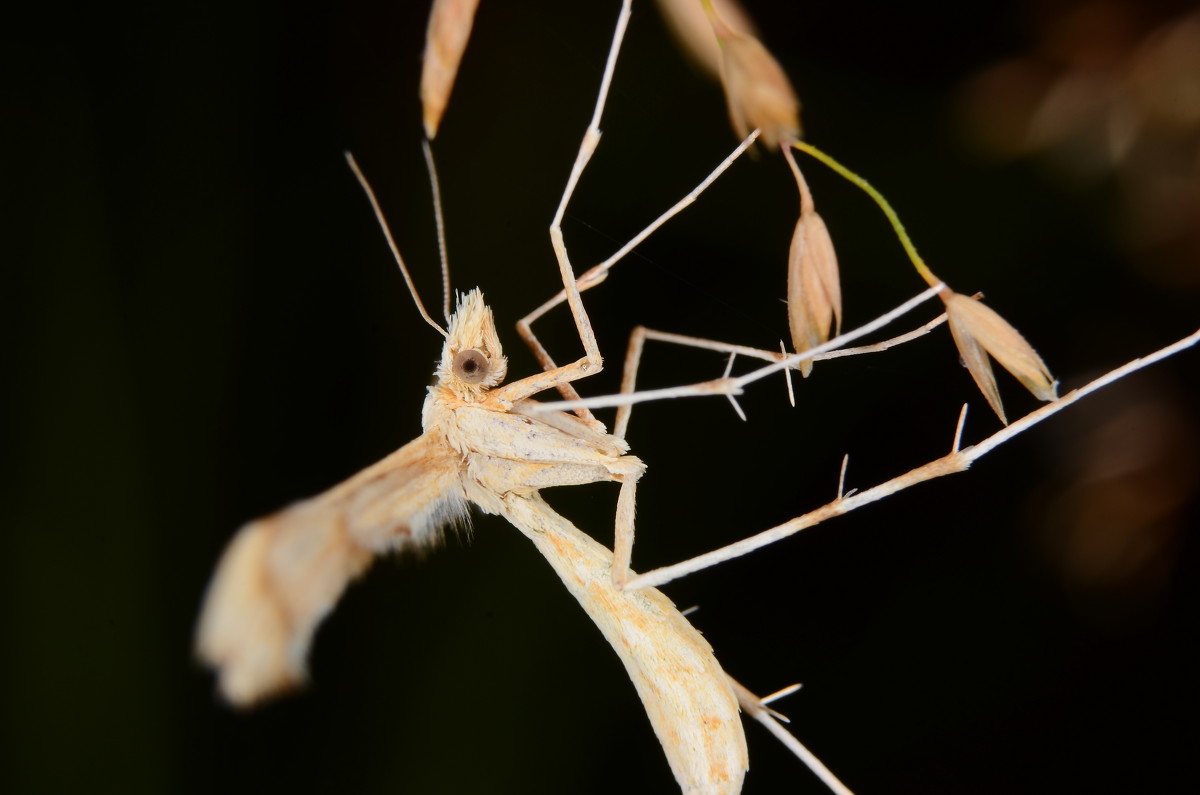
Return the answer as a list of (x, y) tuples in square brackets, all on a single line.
[(471, 366)]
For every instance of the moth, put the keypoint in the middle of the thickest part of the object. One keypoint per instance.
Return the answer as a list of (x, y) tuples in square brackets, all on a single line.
[(282, 574), (484, 444)]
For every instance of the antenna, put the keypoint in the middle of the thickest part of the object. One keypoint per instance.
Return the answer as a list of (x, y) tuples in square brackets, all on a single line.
[(387, 233), (441, 226)]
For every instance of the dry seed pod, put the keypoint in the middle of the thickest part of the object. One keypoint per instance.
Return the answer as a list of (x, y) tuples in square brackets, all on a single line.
[(756, 88), (978, 331), (689, 21), (814, 291), (445, 40)]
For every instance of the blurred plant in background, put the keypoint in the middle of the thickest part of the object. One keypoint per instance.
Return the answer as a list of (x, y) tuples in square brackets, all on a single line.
[(1109, 91)]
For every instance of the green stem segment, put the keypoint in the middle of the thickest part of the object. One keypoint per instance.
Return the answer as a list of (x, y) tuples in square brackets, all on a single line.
[(867, 188)]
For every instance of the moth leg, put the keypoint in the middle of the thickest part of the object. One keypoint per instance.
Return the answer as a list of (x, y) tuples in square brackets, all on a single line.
[(599, 272), (623, 529), (633, 359), (639, 336), (572, 285), (560, 377), (525, 330), (591, 362), (623, 540)]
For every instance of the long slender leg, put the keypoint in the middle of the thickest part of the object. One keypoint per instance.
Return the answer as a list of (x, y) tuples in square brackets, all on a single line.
[(623, 529), (599, 272), (957, 460), (555, 376), (591, 138), (633, 360), (639, 336), (572, 286), (623, 544), (566, 389)]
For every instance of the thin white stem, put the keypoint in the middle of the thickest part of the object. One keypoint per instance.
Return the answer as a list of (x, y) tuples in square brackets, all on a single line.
[(787, 377), (756, 708), (658, 577), (729, 365), (958, 429), (734, 386), (781, 693), (737, 408), (803, 754), (1034, 417), (879, 347), (841, 339), (720, 386), (732, 400), (592, 136), (772, 356), (956, 461)]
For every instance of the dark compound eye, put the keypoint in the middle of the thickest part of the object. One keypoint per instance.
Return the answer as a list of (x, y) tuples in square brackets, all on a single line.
[(471, 366)]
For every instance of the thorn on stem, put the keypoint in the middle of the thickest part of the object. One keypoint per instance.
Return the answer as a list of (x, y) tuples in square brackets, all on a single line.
[(787, 375), (736, 407), (962, 421)]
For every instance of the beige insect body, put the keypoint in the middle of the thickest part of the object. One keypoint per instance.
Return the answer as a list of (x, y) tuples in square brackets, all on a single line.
[(688, 698), (493, 445), (282, 574)]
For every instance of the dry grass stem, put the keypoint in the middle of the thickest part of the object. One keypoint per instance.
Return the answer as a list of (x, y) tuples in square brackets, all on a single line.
[(757, 708), (688, 20), (729, 386), (955, 461), (779, 356), (757, 90), (841, 340), (445, 41), (978, 331)]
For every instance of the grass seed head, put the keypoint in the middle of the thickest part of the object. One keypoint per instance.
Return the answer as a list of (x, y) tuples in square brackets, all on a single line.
[(446, 37), (757, 90), (814, 290), (978, 331)]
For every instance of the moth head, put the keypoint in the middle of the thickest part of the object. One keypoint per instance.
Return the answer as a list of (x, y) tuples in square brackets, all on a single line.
[(472, 360)]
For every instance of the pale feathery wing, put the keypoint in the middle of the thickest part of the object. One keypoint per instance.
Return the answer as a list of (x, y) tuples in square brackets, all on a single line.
[(283, 573), (686, 693)]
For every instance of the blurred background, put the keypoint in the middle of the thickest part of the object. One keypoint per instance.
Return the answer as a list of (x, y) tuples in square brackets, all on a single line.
[(204, 324)]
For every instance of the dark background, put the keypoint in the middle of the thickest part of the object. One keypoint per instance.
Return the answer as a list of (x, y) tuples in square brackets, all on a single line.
[(204, 324)]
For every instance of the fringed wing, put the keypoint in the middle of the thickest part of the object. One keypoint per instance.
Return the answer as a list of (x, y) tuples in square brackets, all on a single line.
[(687, 695), (281, 574)]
